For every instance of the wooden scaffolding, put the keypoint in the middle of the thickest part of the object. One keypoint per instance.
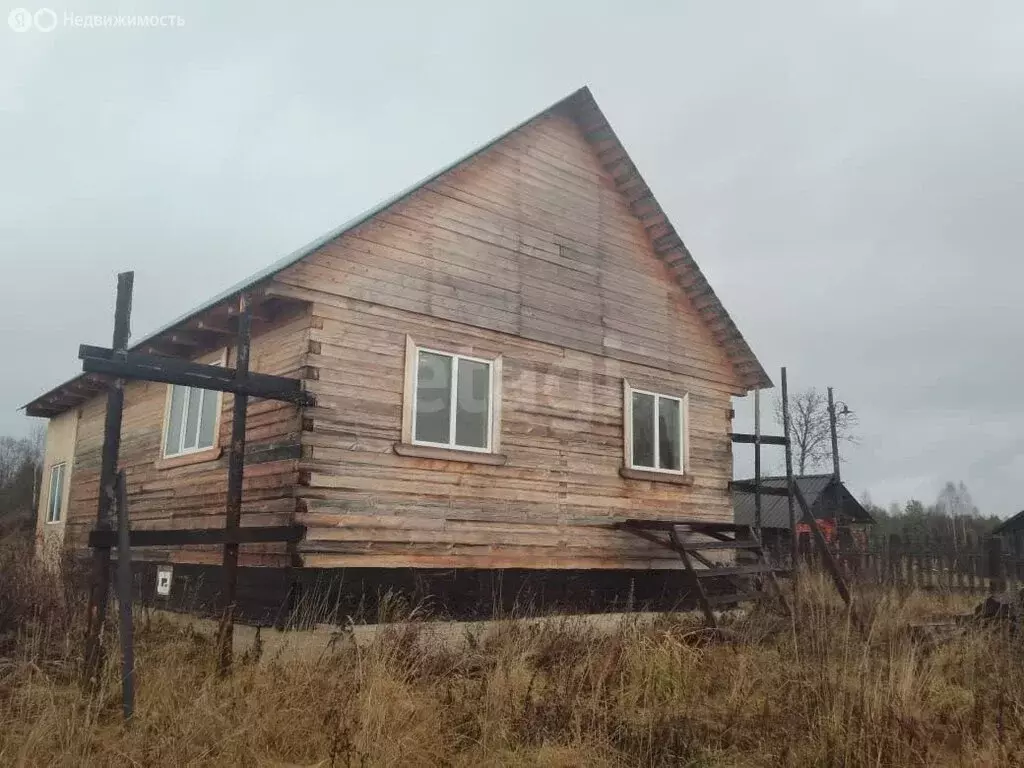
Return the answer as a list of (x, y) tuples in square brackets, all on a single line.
[(750, 574)]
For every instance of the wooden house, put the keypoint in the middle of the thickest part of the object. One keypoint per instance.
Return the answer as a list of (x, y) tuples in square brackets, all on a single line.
[(506, 359), (837, 511), (1012, 533)]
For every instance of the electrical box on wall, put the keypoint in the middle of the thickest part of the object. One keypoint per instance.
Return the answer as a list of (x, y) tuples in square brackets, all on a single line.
[(164, 574)]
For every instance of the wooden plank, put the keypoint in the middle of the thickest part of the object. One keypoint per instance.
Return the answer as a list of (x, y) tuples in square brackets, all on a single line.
[(201, 536)]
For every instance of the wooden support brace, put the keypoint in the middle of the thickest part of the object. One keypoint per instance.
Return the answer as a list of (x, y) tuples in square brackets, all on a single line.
[(826, 553), (170, 370)]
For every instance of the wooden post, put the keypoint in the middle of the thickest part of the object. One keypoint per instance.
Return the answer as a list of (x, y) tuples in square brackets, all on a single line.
[(994, 555), (757, 463), (236, 470), (804, 548), (893, 563), (124, 600), (99, 592), (793, 539)]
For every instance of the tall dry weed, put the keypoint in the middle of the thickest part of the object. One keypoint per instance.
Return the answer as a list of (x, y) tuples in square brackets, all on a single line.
[(807, 691)]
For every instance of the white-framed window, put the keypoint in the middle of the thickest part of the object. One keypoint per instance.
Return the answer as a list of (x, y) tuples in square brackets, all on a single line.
[(453, 400), (656, 430), (191, 420), (55, 500)]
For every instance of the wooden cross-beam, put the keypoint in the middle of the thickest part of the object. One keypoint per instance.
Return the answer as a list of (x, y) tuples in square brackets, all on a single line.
[(740, 437), (170, 370)]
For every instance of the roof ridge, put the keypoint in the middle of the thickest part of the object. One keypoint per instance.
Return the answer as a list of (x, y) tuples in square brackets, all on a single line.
[(612, 155)]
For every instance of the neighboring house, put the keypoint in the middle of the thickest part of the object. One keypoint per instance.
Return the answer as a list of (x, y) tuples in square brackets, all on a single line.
[(1012, 532), (825, 496), (507, 358)]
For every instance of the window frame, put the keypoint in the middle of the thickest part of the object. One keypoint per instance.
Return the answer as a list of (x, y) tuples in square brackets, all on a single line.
[(684, 429), (55, 503), (222, 360), (412, 390)]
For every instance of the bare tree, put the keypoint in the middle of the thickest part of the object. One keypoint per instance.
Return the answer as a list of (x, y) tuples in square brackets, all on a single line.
[(955, 502), (37, 448), (14, 453), (809, 428)]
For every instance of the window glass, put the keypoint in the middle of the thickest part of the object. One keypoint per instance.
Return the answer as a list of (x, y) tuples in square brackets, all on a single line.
[(643, 430), (433, 398), (208, 418), (669, 434), (192, 403), (56, 493), (172, 444), (473, 406), (191, 420)]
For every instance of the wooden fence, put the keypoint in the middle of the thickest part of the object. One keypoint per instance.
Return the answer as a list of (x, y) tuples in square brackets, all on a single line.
[(984, 567)]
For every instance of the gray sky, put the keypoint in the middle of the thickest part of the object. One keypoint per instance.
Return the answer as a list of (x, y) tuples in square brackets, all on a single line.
[(849, 176)]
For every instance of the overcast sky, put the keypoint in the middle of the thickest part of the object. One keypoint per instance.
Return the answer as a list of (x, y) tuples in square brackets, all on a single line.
[(850, 177)]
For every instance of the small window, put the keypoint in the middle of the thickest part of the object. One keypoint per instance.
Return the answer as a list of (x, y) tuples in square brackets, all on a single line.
[(191, 423), (656, 431), (452, 401), (56, 498)]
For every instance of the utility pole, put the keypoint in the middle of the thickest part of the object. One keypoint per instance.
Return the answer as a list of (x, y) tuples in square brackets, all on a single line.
[(794, 544), (836, 496), (835, 435), (757, 463)]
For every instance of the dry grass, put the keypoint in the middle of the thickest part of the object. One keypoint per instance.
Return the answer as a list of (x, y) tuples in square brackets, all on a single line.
[(554, 693)]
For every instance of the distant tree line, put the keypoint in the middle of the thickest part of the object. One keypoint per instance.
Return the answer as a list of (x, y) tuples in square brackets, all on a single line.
[(952, 522), (21, 465)]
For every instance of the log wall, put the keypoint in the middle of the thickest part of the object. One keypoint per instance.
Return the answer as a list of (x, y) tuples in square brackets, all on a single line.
[(528, 252), (191, 491)]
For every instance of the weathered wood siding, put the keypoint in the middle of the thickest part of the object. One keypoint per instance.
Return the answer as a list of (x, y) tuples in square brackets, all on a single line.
[(527, 251), (186, 493)]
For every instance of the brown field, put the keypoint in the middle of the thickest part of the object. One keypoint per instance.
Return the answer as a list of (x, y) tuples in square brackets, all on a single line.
[(558, 692)]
